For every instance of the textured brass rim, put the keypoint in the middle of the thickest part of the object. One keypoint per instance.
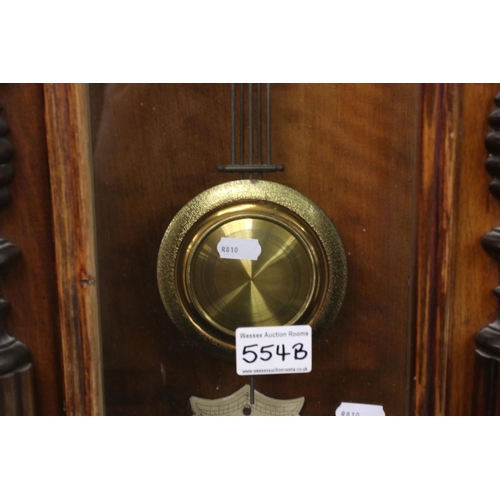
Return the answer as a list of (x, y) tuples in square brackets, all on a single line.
[(319, 271)]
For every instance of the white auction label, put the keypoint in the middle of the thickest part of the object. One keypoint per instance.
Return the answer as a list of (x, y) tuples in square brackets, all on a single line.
[(273, 350), (359, 410), (239, 248)]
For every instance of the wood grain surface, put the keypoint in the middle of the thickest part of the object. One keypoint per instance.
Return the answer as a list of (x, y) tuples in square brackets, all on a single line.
[(31, 286), (474, 273), (352, 149), (486, 393), (435, 222), (68, 140), (17, 395)]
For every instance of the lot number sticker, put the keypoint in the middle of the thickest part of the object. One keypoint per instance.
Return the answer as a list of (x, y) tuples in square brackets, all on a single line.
[(273, 350), (359, 410)]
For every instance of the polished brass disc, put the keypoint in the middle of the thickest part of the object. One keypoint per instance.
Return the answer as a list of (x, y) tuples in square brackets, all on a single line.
[(299, 277), (275, 289)]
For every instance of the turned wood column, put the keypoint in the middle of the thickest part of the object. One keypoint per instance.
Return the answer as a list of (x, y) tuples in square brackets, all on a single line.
[(16, 376), (486, 398)]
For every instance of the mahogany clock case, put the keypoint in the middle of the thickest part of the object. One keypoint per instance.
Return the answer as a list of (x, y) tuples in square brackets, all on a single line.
[(105, 168)]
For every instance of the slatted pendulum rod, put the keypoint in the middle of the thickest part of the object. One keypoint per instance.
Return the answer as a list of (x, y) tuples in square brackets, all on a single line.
[(268, 126), (242, 124), (251, 167), (259, 126), (233, 126), (250, 126)]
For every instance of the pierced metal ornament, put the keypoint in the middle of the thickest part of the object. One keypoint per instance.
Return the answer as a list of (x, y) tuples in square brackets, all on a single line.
[(240, 404)]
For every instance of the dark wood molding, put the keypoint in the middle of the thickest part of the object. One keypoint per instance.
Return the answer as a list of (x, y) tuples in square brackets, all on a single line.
[(6, 154), (488, 339), (14, 355), (434, 237), (486, 373), (492, 144), (16, 388), (68, 141)]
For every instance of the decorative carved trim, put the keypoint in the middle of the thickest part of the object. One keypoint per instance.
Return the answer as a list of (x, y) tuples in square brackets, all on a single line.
[(488, 339), (14, 355), (6, 154), (16, 389), (492, 144)]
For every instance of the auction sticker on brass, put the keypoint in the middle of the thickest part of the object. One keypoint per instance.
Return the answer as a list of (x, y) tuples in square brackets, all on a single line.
[(273, 350)]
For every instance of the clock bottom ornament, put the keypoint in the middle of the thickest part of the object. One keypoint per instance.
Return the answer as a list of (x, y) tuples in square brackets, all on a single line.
[(240, 404)]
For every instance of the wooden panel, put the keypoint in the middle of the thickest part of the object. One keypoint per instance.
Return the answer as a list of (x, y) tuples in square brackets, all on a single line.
[(350, 148), (30, 286), (475, 274), (71, 186)]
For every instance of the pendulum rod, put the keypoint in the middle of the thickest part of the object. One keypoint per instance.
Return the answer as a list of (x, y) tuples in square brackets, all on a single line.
[(268, 126), (250, 167), (242, 124), (250, 125), (233, 125), (258, 166), (252, 390), (259, 124)]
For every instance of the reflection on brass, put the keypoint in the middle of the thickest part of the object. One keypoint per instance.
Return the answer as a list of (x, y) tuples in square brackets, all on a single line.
[(299, 278), (275, 289), (239, 405)]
